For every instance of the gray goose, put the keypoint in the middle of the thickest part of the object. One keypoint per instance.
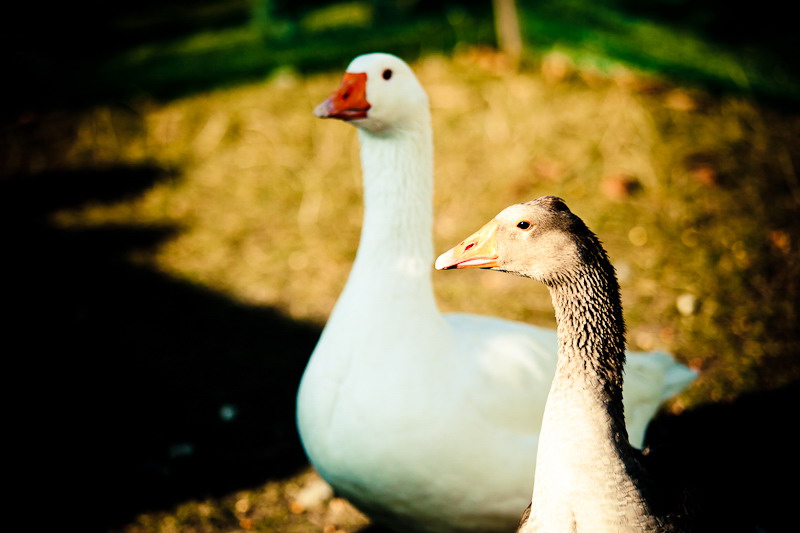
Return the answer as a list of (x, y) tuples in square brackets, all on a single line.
[(588, 476)]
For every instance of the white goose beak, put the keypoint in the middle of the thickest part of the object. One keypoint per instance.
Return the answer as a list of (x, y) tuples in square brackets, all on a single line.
[(349, 102)]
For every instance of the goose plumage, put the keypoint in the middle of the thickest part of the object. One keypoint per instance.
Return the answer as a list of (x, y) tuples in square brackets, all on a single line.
[(425, 421), (588, 477)]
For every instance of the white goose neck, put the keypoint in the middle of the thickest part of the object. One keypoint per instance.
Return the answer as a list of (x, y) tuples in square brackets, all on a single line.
[(397, 170)]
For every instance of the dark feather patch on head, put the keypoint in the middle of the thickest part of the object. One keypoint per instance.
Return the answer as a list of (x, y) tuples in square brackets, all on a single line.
[(552, 202)]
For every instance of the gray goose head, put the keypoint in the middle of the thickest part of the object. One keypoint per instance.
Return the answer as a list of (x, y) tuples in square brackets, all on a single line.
[(541, 239)]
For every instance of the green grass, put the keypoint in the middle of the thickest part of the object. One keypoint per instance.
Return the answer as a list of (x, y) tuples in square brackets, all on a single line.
[(601, 36), (169, 51)]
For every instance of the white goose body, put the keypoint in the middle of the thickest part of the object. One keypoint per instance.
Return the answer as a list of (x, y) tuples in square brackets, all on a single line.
[(429, 422)]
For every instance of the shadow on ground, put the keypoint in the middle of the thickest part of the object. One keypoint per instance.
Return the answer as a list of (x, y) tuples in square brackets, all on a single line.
[(740, 458), (134, 391)]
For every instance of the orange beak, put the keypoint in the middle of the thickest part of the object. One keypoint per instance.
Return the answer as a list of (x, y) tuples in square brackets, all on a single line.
[(479, 250), (349, 102)]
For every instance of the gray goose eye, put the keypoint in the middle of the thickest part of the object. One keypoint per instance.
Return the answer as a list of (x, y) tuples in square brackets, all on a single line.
[(524, 225)]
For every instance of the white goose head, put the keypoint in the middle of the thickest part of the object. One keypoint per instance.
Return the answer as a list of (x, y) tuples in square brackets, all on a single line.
[(379, 93)]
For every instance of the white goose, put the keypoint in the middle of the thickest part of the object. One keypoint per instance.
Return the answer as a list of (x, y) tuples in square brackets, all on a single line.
[(428, 422)]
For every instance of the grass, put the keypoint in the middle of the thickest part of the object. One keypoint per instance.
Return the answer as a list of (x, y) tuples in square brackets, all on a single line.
[(671, 39), (201, 243), (78, 56), (178, 227)]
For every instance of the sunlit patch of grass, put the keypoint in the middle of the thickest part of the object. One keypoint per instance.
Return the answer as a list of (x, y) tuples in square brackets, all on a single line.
[(197, 43), (274, 506), (346, 14)]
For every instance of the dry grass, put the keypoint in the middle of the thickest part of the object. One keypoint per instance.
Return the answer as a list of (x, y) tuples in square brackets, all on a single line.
[(268, 198), (696, 199)]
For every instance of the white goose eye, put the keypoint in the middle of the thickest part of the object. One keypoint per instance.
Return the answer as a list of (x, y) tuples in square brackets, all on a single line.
[(524, 225), (387, 74)]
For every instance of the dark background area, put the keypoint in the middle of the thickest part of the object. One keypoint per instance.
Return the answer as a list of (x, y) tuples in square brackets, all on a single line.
[(74, 54), (134, 390)]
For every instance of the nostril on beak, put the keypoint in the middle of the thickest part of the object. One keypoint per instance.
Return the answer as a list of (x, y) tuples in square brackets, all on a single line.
[(470, 245)]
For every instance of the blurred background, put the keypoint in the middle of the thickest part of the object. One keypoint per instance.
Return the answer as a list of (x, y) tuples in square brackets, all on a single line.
[(177, 227)]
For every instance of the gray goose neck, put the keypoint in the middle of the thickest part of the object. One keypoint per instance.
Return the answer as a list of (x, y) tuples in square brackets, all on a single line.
[(591, 332), (583, 438)]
